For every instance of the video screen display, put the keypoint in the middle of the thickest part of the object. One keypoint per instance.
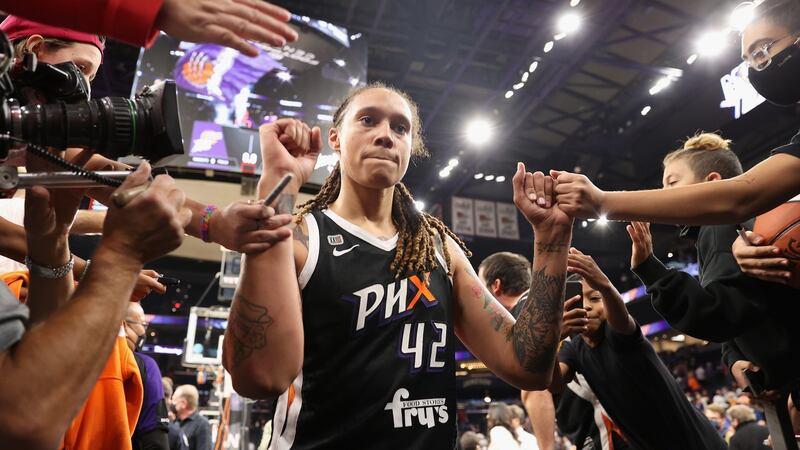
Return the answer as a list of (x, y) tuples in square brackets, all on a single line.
[(224, 96)]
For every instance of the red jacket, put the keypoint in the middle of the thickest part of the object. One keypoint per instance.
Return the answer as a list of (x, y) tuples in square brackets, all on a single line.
[(132, 21)]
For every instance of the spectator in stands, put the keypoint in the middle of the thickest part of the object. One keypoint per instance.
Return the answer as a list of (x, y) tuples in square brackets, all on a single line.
[(715, 413), (507, 276), (470, 440), (527, 440), (625, 373), (749, 435), (502, 434), (195, 429), (151, 428)]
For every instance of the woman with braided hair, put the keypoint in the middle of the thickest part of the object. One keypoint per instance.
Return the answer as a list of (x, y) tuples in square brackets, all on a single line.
[(352, 323)]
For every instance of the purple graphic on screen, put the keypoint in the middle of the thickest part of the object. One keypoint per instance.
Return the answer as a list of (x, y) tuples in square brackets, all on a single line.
[(221, 72), (207, 140)]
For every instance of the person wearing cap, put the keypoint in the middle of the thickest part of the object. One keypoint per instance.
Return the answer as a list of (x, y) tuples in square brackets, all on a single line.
[(235, 226), (226, 22)]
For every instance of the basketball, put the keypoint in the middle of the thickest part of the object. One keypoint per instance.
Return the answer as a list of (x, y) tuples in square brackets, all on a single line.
[(781, 228)]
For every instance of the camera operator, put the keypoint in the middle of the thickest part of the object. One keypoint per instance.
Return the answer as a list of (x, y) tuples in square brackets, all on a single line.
[(235, 227), (226, 22), (58, 361)]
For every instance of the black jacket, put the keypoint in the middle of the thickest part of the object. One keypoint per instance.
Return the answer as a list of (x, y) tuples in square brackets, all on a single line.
[(758, 318)]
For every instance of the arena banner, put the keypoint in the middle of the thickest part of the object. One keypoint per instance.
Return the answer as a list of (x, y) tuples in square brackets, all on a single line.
[(463, 216), (485, 219), (507, 221)]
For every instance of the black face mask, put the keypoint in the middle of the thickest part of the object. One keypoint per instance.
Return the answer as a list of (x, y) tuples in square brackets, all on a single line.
[(780, 81)]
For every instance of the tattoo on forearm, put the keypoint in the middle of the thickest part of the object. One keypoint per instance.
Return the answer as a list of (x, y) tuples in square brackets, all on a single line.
[(248, 323), (284, 204), (551, 247), (537, 330)]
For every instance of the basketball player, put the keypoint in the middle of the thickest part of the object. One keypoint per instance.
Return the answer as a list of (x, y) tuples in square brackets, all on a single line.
[(771, 47), (352, 324), (725, 304)]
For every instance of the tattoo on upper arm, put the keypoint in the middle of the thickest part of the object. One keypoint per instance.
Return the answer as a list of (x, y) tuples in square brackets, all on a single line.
[(248, 323), (537, 330), (300, 235), (284, 204), (500, 322)]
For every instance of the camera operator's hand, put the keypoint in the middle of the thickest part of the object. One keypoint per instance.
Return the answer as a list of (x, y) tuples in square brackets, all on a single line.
[(152, 224), (249, 227), (147, 283), (641, 242), (574, 320), (227, 22), (290, 146)]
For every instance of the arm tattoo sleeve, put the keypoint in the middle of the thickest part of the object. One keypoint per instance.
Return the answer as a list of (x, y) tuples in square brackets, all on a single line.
[(248, 323), (537, 329)]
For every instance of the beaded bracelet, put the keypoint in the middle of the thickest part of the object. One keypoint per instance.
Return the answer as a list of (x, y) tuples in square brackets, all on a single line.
[(205, 222)]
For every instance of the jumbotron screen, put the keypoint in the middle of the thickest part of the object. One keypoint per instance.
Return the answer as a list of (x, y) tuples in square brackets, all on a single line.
[(224, 96)]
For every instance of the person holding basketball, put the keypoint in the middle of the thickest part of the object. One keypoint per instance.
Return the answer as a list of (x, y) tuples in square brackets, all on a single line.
[(753, 318), (352, 324)]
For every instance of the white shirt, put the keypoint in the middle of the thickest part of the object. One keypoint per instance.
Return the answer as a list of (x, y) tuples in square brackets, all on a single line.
[(528, 440), (502, 439)]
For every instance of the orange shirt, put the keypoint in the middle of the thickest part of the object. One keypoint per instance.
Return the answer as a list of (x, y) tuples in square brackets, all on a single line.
[(108, 418)]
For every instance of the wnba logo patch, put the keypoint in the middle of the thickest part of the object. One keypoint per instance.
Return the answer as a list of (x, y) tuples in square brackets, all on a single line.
[(335, 239)]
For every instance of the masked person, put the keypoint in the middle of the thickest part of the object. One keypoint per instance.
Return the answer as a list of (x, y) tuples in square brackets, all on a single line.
[(771, 49)]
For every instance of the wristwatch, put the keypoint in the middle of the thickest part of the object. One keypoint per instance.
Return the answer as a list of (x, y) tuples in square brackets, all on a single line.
[(50, 272)]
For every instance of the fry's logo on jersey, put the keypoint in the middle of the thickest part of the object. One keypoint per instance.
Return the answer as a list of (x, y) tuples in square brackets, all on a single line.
[(393, 297), (427, 411)]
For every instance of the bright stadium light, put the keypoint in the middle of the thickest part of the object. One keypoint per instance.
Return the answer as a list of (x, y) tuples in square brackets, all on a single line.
[(533, 66), (712, 43), (419, 204), (509, 94), (691, 59), (548, 46), (479, 131), (602, 221), (660, 85), (645, 110), (568, 23)]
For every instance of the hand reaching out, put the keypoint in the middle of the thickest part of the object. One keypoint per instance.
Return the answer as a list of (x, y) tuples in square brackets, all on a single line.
[(533, 195), (641, 242), (227, 22)]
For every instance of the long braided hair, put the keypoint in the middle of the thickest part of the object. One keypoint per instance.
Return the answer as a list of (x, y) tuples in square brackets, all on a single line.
[(416, 242)]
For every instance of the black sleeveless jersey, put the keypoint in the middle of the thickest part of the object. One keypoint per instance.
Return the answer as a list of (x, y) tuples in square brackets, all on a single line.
[(378, 369)]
